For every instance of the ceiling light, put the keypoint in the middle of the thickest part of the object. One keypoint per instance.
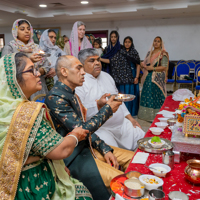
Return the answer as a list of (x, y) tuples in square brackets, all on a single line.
[(43, 5), (84, 2)]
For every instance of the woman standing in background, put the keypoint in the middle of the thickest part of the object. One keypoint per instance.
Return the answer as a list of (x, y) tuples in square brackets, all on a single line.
[(125, 69), (153, 94), (113, 47), (78, 40), (22, 32)]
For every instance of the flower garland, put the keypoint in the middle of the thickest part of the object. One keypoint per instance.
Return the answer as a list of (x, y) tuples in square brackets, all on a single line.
[(189, 106)]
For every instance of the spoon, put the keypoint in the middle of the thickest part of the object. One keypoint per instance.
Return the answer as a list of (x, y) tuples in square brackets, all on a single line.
[(153, 169)]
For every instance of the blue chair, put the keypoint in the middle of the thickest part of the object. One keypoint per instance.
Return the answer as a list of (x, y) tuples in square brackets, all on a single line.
[(191, 64), (195, 72), (197, 79), (197, 62), (40, 101), (180, 61), (183, 69), (172, 80), (36, 98)]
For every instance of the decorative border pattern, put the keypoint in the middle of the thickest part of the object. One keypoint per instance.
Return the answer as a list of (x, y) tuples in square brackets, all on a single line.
[(14, 147), (191, 125), (10, 71)]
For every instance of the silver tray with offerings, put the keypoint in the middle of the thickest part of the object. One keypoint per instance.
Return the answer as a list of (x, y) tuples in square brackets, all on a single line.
[(123, 97), (144, 145)]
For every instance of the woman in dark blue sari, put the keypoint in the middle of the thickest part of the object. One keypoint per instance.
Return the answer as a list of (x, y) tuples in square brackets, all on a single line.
[(125, 69), (113, 47)]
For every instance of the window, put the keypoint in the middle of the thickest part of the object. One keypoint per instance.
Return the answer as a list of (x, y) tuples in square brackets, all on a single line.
[(104, 42)]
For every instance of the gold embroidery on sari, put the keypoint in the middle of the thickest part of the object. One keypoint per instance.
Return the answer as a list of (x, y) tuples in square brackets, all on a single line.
[(14, 147), (159, 78)]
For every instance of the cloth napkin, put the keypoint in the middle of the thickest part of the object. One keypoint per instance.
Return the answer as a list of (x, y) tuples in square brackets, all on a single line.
[(166, 112), (140, 158), (182, 94)]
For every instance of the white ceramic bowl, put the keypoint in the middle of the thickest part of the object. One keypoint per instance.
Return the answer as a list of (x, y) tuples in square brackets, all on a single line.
[(168, 115), (156, 130), (161, 167), (163, 119), (156, 145), (161, 124), (149, 186)]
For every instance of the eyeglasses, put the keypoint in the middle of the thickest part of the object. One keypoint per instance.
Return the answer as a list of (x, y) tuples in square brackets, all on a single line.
[(34, 71)]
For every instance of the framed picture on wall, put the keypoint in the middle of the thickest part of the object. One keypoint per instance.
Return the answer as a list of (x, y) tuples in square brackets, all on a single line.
[(37, 32)]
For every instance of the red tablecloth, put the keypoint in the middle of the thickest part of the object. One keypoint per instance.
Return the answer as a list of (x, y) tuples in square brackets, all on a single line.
[(175, 180)]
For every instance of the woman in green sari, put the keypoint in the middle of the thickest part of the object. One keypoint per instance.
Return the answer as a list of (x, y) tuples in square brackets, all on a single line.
[(155, 68), (31, 151)]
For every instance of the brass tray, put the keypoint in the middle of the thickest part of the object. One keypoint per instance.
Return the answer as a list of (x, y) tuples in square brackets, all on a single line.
[(123, 177), (145, 146), (123, 97)]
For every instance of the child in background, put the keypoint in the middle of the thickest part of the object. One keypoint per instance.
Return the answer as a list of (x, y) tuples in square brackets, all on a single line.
[(97, 45)]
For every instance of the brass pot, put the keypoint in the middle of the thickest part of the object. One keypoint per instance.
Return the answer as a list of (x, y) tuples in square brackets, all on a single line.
[(192, 171)]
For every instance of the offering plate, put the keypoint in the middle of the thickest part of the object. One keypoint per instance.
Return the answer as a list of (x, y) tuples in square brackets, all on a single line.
[(123, 97), (145, 146), (44, 55), (117, 187)]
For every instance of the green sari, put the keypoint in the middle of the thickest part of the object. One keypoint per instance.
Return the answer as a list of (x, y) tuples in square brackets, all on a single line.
[(154, 88), (26, 129)]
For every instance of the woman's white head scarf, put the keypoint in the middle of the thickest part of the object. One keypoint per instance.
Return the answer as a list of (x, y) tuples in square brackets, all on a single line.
[(31, 47), (73, 41), (47, 46)]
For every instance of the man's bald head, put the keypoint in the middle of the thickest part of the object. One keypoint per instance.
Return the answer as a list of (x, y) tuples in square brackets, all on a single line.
[(63, 61), (70, 71)]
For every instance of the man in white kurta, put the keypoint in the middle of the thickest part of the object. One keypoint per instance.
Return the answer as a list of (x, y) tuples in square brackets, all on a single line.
[(121, 130)]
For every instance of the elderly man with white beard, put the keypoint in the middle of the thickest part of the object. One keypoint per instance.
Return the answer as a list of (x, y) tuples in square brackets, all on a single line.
[(122, 130)]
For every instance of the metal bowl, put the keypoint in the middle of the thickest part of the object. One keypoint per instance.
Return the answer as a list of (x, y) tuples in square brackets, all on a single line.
[(171, 121), (192, 171), (133, 174), (178, 195), (133, 192), (156, 194)]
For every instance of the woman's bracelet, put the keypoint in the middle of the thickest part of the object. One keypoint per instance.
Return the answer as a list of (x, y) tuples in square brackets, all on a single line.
[(74, 137)]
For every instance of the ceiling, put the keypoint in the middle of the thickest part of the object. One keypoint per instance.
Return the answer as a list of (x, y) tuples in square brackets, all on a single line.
[(68, 11)]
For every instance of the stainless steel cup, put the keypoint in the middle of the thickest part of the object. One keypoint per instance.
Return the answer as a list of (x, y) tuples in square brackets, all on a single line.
[(168, 158), (134, 192), (156, 194)]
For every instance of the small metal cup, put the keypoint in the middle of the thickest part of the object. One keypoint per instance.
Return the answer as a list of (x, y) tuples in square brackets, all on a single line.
[(134, 192), (168, 158), (156, 194)]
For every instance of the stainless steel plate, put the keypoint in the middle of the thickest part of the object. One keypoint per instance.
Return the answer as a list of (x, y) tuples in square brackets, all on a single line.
[(145, 146), (124, 98), (122, 188), (44, 55)]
